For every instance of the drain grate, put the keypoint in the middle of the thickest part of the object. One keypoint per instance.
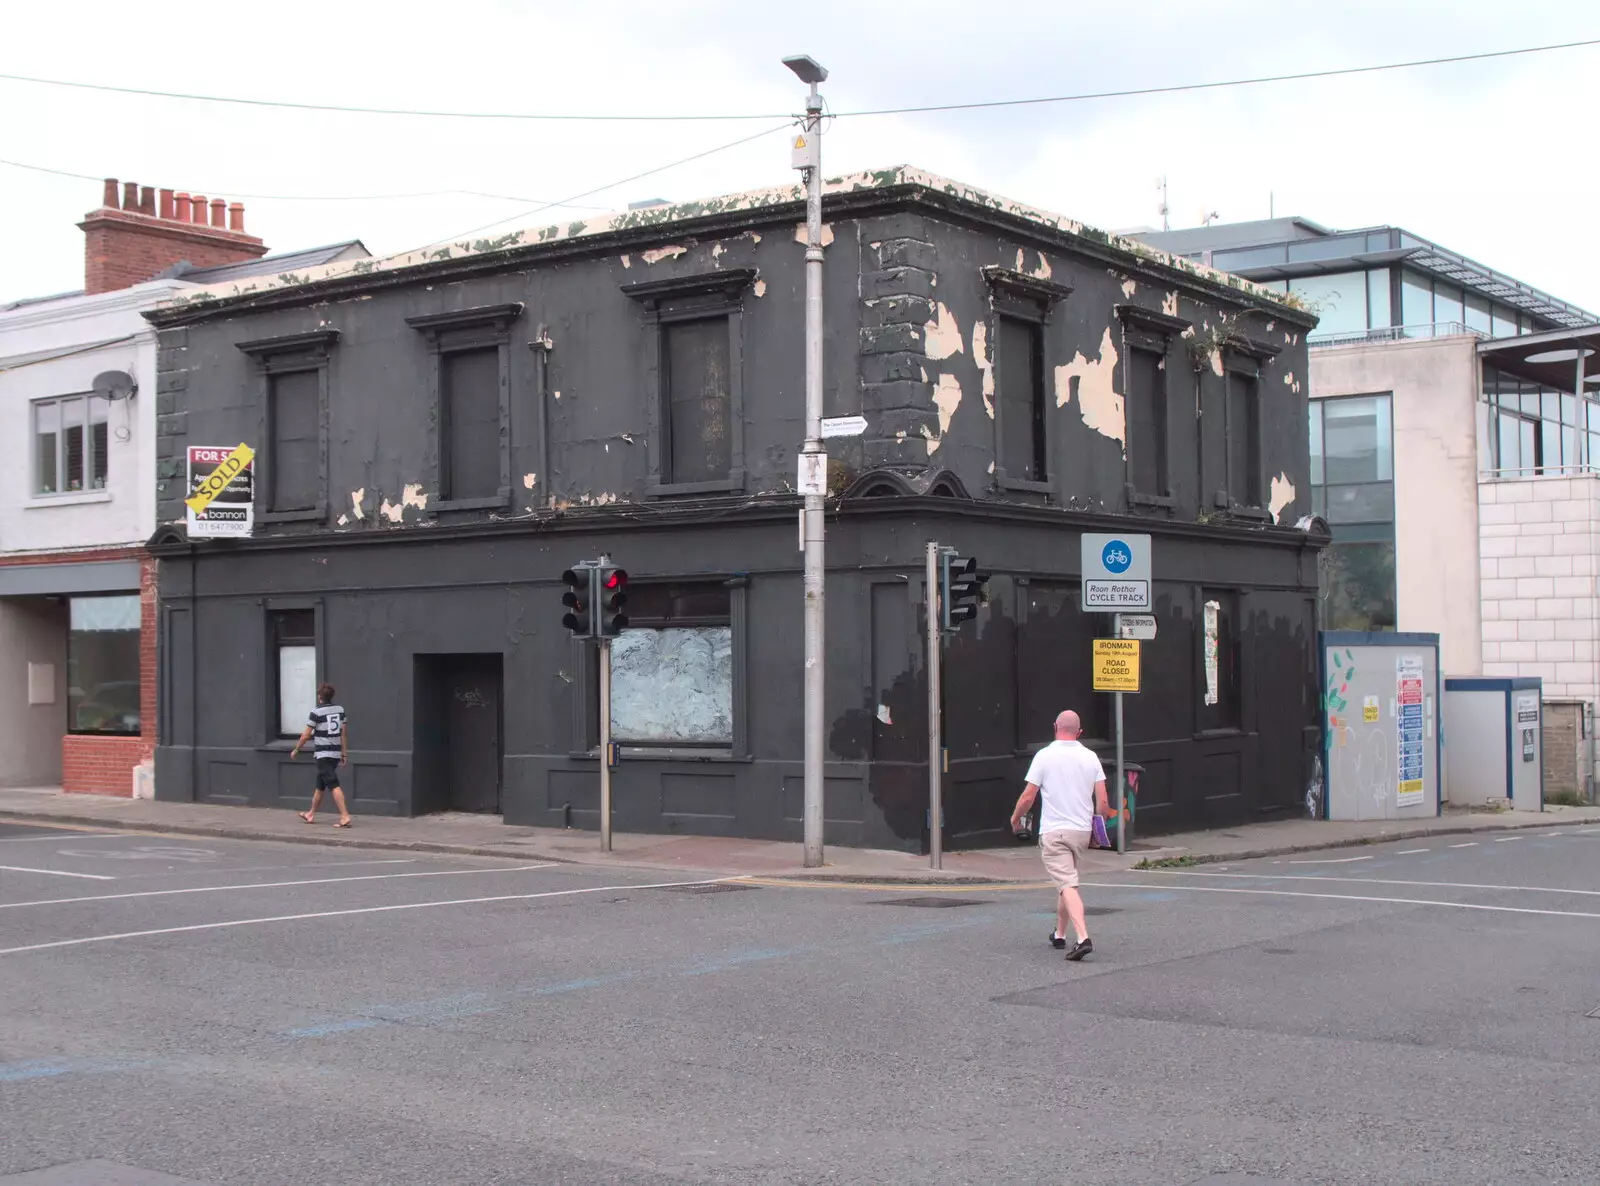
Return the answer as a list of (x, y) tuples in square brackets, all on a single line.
[(931, 903), (705, 887)]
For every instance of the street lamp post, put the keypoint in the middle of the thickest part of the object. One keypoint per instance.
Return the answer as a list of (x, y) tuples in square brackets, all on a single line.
[(807, 157)]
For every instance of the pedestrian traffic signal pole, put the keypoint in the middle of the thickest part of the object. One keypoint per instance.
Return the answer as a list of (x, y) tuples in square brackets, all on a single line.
[(931, 579), (605, 744), (596, 603)]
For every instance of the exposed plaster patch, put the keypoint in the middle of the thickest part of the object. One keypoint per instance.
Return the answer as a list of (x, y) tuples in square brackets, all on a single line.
[(1042, 272), (752, 236), (343, 520), (556, 394), (933, 441), (760, 288), (1188, 333), (716, 253), (656, 254), (356, 498), (1271, 325), (626, 262), (901, 435), (1282, 495), (1169, 303), (413, 496), (1018, 267), (947, 398), (980, 355), (943, 334), (991, 467), (529, 480), (391, 511), (1216, 362), (800, 234), (1129, 287), (1292, 383), (885, 715), (1098, 402)]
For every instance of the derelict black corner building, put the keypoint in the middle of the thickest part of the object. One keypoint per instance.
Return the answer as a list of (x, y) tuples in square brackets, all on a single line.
[(440, 434)]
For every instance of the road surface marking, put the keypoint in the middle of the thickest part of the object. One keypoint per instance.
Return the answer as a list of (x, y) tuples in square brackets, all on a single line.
[(250, 922), (1522, 889), (981, 887), (1407, 852), (56, 873), (1468, 844), (213, 889), (1229, 889), (1331, 861), (1506, 839)]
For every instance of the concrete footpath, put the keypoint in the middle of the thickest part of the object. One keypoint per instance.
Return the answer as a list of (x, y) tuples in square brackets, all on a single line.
[(481, 835)]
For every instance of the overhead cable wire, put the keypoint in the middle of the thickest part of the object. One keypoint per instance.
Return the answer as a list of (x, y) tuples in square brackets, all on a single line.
[(432, 193), (596, 117)]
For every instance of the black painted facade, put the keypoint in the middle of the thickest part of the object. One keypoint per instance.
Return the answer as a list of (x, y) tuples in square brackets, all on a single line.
[(976, 338)]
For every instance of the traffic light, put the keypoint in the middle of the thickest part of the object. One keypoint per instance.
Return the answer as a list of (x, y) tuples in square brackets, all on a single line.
[(962, 588), (579, 600), (613, 601)]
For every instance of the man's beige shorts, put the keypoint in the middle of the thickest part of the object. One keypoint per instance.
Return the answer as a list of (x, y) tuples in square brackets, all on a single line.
[(1061, 850)]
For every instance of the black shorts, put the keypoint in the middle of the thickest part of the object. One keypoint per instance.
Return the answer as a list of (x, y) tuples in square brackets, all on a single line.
[(327, 773)]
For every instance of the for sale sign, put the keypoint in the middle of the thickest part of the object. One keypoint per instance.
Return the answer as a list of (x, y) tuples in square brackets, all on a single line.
[(221, 499)]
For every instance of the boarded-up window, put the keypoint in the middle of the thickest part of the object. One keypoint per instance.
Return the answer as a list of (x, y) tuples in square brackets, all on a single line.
[(672, 669), (293, 464), (1021, 393), (470, 447), (699, 402), (1244, 439), (1147, 421)]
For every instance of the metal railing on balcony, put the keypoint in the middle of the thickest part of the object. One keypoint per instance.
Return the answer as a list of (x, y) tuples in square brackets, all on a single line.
[(1586, 470), (1396, 333)]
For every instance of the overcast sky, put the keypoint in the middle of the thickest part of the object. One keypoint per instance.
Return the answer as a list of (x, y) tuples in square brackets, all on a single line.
[(1480, 157)]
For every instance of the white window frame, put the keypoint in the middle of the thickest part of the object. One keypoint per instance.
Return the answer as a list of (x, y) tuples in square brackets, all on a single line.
[(63, 480)]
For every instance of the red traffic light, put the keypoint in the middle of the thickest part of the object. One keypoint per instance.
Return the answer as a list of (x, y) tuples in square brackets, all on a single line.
[(616, 578)]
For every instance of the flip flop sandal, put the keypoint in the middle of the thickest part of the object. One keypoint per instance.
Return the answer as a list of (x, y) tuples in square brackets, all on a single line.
[(342, 824), (305, 817)]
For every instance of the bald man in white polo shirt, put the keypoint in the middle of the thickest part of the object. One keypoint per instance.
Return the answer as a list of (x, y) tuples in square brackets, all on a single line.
[(1073, 784)]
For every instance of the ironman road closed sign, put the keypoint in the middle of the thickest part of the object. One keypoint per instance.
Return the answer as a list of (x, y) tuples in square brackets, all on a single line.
[(1116, 665), (1116, 573)]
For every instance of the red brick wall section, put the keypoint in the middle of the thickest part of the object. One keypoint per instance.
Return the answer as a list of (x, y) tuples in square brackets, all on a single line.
[(127, 244), (99, 765)]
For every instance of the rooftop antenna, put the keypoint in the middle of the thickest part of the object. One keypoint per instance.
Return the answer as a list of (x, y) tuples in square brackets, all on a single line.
[(1208, 219), (1161, 184)]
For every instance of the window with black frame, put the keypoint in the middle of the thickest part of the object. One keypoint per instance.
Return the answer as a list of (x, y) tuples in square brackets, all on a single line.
[(103, 664), (1525, 430), (294, 668), (71, 451), (672, 668), (1352, 487)]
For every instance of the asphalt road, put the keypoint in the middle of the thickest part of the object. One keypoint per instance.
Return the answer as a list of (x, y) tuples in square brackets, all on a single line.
[(236, 1013)]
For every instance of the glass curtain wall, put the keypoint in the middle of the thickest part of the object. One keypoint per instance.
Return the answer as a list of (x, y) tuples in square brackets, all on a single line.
[(1352, 487), (1525, 430)]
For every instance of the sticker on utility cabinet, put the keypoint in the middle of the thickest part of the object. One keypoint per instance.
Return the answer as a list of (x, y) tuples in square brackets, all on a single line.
[(1408, 723)]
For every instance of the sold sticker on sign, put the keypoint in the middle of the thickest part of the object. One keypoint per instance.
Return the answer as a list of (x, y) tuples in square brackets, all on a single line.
[(217, 481)]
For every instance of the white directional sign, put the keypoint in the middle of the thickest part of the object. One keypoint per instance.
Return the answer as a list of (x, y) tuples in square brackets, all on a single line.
[(844, 426), (1139, 626), (1116, 573)]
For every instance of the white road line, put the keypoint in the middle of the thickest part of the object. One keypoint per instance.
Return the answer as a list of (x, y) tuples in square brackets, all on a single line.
[(1332, 861), (1506, 839), (1468, 844), (1473, 885), (56, 873), (1228, 889), (1408, 852), (249, 922), (213, 889)]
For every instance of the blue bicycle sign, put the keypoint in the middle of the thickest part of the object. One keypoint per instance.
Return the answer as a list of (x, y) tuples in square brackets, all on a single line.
[(1116, 557)]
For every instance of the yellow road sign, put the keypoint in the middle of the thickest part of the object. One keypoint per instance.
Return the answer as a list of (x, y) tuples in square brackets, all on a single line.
[(1116, 665), (217, 480)]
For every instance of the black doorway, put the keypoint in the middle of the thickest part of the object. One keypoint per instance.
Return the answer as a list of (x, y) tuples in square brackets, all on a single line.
[(457, 731)]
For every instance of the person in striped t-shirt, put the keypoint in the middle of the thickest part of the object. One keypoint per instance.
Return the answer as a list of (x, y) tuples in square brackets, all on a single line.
[(327, 732)]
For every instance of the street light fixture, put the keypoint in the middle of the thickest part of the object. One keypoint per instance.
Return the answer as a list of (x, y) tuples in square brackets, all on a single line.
[(813, 462)]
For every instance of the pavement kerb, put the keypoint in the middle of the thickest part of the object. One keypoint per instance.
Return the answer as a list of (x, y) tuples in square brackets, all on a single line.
[(921, 877), (1284, 850)]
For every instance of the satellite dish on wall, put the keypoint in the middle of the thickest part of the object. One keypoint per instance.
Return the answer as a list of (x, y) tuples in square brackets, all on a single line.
[(115, 385)]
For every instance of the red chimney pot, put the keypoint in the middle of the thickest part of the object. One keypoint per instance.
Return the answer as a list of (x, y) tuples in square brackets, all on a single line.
[(166, 205), (109, 198), (147, 201), (197, 211), (236, 217), (182, 203), (219, 215), (130, 195)]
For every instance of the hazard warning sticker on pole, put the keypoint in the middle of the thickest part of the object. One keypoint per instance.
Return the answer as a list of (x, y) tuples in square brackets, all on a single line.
[(221, 499)]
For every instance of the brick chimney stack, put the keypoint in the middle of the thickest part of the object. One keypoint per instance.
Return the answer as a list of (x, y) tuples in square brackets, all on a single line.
[(136, 238)]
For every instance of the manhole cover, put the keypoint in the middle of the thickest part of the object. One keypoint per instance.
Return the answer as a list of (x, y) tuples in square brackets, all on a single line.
[(933, 903), (713, 887)]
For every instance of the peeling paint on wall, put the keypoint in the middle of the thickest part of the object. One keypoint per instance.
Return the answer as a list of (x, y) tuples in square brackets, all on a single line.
[(947, 398), (980, 355), (1292, 383), (656, 254), (1098, 401), (800, 236), (391, 511), (556, 394), (943, 334), (626, 262), (1282, 496), (1216, 362), (356, 497), (413, 496), (1040, 271), (529, 480), (760, 288), (716, 254), (1169, 303), (1129, 287), (343, 520)]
